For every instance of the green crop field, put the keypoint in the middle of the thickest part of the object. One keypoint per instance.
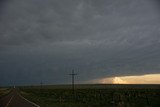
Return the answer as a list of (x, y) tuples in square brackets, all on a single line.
[(94, 96)]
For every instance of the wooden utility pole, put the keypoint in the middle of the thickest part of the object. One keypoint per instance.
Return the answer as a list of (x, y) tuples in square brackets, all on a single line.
[(41, 84), (72, 75)]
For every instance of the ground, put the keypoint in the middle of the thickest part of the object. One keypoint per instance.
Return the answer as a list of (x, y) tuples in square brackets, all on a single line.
[(94, 95)]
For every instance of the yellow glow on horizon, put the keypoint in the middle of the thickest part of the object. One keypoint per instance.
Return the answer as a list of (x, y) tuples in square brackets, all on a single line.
[(118, 80), (143, 79)]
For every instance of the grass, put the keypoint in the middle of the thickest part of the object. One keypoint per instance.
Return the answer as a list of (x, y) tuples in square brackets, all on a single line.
[(58, 96), (3, 92)]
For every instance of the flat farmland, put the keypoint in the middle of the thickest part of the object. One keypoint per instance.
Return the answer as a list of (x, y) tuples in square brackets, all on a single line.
[(93, 95)]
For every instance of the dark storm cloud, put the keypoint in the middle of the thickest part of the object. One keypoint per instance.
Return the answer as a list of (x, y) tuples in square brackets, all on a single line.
[(44, 40)]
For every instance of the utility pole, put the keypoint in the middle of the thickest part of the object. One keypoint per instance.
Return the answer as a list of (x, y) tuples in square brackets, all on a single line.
[(72, 75), (41, 84)]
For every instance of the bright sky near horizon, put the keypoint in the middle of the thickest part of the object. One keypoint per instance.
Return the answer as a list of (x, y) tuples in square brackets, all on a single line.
[(139, 79)]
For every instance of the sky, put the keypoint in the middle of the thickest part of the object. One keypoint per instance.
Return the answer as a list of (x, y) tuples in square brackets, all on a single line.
[(44, 40), (139, 79)]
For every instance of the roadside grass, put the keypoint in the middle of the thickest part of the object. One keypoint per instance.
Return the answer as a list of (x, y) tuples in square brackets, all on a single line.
[(3, 92), (92, 97)]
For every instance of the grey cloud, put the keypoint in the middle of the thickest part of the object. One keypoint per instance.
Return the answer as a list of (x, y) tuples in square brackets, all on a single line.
[(46, 39)]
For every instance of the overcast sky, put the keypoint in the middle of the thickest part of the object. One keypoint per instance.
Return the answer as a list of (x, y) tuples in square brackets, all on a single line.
[(46, 39)]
